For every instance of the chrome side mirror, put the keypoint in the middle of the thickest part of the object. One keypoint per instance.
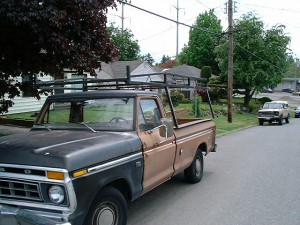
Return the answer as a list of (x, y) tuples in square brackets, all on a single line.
[(166, 129)]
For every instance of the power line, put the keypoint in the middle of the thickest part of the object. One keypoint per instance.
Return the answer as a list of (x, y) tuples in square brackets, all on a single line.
[(166, 18), (282, 9)]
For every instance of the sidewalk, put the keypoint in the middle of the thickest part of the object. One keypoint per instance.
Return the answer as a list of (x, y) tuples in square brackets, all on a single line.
[(7, 130)]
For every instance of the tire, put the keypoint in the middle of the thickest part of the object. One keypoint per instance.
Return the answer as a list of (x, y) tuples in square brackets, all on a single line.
[(261, 122), (193, 174), (287, 120), (280, 121), (109, 207)]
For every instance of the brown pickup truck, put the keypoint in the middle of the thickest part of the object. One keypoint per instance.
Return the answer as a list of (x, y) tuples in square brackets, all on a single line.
[(91, 153)]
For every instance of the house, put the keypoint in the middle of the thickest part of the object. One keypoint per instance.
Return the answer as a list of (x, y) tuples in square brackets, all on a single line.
[(118, 69), (26, 102), (185, 70), (292, 83)]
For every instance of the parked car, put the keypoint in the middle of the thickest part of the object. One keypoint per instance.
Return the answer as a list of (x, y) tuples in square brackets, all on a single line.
[(296, 93), (288, 90), (274, 111), (267, 90), (297, 112)]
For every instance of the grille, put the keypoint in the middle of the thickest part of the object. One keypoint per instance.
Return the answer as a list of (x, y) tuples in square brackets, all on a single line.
[(10, 189), (268, 113)]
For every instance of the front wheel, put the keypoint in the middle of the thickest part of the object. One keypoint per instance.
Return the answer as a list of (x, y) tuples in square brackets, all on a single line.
[(280, 121), (261, 122), (194, 172), (108, 208)]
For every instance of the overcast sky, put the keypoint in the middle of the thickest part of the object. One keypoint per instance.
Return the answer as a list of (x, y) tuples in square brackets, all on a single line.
[(157, 36)]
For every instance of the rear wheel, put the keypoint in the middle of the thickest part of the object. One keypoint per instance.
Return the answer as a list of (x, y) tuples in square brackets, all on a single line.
[(287, 120), (194, 172), (108, 208)]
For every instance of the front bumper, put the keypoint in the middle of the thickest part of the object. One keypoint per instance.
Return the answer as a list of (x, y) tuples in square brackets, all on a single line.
[(14, 216), (267, 118)]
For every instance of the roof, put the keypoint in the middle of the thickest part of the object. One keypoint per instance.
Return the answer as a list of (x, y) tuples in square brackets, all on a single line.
[(117, 69), (187, 70)]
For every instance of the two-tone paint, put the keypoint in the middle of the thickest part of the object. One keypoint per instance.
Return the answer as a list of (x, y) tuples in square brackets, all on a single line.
[(134, 162)]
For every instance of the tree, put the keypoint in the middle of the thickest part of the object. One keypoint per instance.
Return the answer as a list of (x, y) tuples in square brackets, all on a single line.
[(169, 64), (129, 48), (206, 72), (260, 57), (48, 36), (164, 59), (148, 58), (202, 40)]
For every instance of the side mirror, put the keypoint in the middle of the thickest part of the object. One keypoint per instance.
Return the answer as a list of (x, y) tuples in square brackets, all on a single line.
[(166, 129)]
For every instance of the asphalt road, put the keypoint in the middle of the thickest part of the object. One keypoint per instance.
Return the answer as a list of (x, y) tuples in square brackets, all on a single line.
[(253, 179)]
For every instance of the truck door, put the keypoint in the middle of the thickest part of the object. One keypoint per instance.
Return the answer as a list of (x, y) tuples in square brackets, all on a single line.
[(158, 150)]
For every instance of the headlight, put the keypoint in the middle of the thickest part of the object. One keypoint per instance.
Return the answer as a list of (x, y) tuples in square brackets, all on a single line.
[(56, 194)]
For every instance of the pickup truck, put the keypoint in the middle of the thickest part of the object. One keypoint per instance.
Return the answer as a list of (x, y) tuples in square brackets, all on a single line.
[(91, 153)]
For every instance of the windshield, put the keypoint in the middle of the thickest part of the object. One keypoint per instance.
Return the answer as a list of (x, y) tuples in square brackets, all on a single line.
[(272, 106), (93, 114)]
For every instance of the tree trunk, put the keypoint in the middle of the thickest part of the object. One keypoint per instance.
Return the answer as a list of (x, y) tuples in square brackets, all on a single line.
[(248, 96)]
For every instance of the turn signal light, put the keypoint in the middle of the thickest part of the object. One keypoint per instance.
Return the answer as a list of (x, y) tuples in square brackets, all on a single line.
[(55, 175)]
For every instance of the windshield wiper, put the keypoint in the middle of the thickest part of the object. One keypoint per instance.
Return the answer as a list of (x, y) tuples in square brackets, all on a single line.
[(83, 123)]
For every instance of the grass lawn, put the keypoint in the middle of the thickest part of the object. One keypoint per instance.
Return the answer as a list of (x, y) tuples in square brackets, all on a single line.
[(239, 121)]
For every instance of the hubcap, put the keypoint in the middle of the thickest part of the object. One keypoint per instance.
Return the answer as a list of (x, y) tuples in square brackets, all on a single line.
[(106, 216)]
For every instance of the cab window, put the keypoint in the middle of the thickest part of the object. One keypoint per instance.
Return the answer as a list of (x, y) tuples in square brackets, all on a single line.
[(149, 115)]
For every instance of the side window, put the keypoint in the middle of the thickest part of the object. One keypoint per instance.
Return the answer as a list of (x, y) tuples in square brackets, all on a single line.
[(149, 115)]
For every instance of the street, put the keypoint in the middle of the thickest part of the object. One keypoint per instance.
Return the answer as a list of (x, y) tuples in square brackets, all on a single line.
[(252, 179), (294, 100)]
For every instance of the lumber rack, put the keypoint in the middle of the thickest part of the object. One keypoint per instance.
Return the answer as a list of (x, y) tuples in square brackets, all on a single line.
[(169, 81)]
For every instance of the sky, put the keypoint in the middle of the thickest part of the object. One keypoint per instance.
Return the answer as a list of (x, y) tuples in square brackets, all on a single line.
[(158, 36)]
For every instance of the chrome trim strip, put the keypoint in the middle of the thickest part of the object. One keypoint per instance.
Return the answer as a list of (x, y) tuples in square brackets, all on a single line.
[(116, 162), (194, 135)]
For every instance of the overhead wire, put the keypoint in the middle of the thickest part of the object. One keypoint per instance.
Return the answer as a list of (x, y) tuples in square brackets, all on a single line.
[(192, 27)]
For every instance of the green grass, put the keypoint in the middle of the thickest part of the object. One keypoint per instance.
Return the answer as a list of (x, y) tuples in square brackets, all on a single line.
[(240, 118), (239, 121)]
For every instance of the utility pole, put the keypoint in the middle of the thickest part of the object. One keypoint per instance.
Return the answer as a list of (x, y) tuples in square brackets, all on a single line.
[(296, 80), (177, 27), (230, 62), (122, 18)]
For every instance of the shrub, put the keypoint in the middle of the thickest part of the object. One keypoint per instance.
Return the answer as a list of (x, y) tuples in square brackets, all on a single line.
[(263, 100), (215, 94), (176, 96), (196, 107)]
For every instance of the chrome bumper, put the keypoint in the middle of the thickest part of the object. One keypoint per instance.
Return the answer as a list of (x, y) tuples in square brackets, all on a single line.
[(14, 216)]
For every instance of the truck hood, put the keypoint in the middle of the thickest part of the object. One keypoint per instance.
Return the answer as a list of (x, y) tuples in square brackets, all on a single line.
[(268, 110), (69, 150)]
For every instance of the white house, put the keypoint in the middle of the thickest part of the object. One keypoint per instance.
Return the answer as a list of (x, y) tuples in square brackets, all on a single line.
[(25, 102)]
